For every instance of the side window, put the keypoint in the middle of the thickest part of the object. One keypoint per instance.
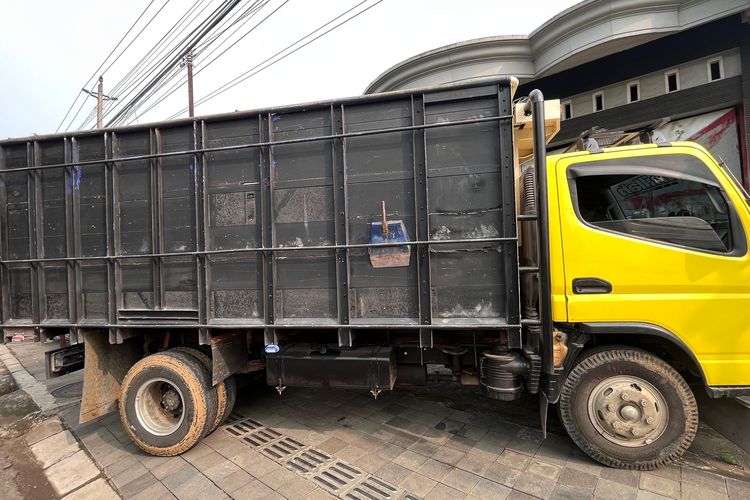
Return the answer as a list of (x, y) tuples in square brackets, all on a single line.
[(672, 210)]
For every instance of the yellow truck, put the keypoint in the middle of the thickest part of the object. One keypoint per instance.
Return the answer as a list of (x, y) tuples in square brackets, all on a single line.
[(358, 242)]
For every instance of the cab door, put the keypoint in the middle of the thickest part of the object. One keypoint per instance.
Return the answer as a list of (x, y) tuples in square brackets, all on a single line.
[(658, 236)]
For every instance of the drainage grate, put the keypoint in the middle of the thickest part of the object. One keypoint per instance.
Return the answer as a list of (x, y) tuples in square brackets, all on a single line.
[(373, 488), (338, 477), (234, 417), (308, 461), (243, 427), (261, 437), (282, 449)]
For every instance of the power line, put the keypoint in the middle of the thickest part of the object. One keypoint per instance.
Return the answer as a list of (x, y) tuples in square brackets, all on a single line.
[(181, 82), (218, 15), (260, 66), (148, 64), (104, 62)]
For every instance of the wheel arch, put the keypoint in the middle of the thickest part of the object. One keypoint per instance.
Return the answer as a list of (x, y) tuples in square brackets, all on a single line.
[(649, 337)]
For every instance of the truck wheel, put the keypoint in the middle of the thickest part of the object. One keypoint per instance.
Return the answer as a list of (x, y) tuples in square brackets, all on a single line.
[(628, 409), (220, 389), (166, 400)]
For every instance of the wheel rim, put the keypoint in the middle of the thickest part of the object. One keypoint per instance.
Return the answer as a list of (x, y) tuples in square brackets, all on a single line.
[(628, 411), (159, 406)]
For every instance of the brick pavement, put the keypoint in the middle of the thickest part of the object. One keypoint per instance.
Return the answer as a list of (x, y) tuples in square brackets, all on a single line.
[(328, 444)]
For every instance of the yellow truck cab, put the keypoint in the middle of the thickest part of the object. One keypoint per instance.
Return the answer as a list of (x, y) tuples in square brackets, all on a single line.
[(649, 263)]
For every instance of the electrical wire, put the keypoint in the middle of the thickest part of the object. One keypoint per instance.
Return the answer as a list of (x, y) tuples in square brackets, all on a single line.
[(263, 66), (183, 80), (104, 62)]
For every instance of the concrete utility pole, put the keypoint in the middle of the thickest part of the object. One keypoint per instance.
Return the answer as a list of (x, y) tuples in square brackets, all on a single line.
[(100, 98), (189, 64), (100, 103)]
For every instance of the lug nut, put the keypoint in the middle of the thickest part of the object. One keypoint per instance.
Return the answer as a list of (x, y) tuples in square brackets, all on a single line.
[(644, 403), (634, 431), (624, 396), (610, 407), (649, 441), (650, 420), (616, 424)]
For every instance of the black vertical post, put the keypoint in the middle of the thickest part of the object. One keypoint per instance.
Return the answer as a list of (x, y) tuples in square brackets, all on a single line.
[(114, 293), (266, 204), (341, 213), (535, 106), (424, 286), (508, 211), (70, 239), (199, 165), (157, 227), (34, 179)]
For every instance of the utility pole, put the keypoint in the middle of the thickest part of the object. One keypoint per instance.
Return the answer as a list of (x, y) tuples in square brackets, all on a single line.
[(100, 98), (189, 63), (100, 103)]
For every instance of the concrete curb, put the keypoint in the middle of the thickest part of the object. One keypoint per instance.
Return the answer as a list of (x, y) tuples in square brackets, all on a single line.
[(67, 465)]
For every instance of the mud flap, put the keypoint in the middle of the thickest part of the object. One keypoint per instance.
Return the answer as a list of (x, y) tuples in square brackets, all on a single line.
[(104, 369), (543, 410)]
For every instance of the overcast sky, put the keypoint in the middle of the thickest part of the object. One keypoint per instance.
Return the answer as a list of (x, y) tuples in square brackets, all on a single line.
[(48, 49)]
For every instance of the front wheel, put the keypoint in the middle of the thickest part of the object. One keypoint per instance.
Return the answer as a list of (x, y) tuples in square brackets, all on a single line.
[(628, 409)]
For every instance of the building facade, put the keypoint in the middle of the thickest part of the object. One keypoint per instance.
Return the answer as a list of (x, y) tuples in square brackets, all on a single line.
[(679, 68)]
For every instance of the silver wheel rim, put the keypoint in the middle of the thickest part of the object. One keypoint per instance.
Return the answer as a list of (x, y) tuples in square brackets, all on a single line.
[(628, 411), (159, 406)]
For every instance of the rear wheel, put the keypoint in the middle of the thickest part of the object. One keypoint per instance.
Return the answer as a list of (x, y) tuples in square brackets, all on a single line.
[(626, 408), (222, 396), (166, 402)]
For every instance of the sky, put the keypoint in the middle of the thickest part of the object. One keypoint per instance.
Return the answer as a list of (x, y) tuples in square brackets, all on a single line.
[(50, 48)]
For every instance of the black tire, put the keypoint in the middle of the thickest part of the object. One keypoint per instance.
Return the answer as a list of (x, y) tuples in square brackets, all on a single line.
[(634, 443), (184, 382), (220, 389)]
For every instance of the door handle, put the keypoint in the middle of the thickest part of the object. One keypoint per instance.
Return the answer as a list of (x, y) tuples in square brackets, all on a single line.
[(586, 286)]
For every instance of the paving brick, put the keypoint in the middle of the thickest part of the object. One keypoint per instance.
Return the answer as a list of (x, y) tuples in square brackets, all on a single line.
[(137, 485), (527, 441), (351, 453), (520, 495), (476, 464), (332, 445), (461, 480), (180, 476), (555, 449), (277, 477), (704, 479), (490, 489), (649, 495), (198, 487), (692, 491), (167, 468), (390, 451), (434, 470), (393, 473), (251, 491), (71, 472), (514, 459), (99, 490), (319, 494), (54, 448), (371, 463), (418, 485), (566, 492), (255, 463), (460, 443), (221, 470), (295, 488), (502, 474), (607, 489), (546, 470), (44, 430), (673, 472), (577, 478), (444, 492), (410, 460), (156, 491), (626, 477), (123, 475), (534, 485), (738, 489), (234, 480), (659, 485), (448, 456)]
